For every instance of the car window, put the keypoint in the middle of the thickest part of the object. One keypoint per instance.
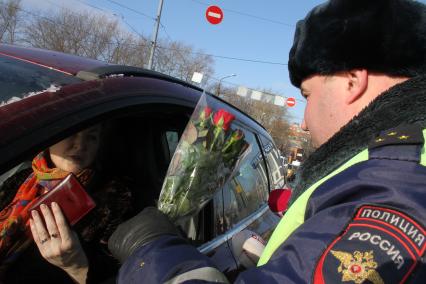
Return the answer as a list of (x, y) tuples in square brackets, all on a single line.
[(247, 190), (19, 79), (275, 165), (87, 154), (11, 172), (172, 141), (208, 224), (218, 214), (132, 152)]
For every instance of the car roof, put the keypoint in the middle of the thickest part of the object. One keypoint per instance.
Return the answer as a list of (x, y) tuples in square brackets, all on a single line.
[(84, 68), (90, 69), (17, 118), (66, 63)]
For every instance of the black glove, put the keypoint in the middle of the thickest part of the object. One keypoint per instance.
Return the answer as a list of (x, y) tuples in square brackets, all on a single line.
[(138, 231)]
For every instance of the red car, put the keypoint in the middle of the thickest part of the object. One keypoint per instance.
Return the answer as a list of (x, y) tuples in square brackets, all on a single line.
[(46, 96)]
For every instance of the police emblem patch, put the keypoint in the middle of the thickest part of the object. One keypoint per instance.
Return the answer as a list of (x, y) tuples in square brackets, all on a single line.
[(379, 245), (358, 267)]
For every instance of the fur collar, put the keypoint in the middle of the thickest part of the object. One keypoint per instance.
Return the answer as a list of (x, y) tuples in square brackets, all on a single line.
[(403, 103)]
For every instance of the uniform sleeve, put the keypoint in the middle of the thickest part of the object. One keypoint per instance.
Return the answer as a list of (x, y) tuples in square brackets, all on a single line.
[(169, 259)]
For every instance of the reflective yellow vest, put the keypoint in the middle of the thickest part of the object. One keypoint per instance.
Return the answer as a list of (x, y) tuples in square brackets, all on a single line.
[(295, 215)]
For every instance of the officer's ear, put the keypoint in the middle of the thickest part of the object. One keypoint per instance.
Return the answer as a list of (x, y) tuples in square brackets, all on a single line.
[(357, 83)]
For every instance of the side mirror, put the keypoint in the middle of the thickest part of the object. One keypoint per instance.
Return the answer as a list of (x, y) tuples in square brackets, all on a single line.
[(247, 247), (278, 200)]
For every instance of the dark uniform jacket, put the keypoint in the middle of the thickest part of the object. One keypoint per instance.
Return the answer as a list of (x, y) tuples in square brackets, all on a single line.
[(365, 224)]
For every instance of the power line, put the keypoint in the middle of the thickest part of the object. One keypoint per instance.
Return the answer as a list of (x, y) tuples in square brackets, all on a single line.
[(168, 36), (61, 24), (169, 48), (243, 59), (131, 9), (86, 4), (195, 52), (122, 18), (232, 58), (127, 23), (90, 5), (160, 47), (205, 4), (213, 55), (110, 42), (192, 52), (248, 15), (225, 57), (133, 28), (251, 89)]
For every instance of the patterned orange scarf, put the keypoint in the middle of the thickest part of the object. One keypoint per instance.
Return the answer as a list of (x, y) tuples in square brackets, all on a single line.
[(15, 234)]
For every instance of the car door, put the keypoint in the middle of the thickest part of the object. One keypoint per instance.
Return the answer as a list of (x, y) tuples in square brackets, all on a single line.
[(148, 114), (245, 202), (140, 116), (241, 205)]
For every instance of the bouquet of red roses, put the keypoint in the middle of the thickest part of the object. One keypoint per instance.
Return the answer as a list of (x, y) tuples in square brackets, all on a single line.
[(204, 160)]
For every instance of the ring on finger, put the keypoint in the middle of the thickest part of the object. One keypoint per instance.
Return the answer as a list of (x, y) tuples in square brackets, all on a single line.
[(54, 235), (43, 241)]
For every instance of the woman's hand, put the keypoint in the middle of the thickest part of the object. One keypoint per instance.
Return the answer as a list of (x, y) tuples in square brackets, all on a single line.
[(57, 243)]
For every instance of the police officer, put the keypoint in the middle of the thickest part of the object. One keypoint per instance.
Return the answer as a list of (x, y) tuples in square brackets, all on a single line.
[(358, 213)]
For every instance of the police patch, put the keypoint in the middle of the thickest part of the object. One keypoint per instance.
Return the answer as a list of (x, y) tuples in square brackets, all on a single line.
[(379, 245)]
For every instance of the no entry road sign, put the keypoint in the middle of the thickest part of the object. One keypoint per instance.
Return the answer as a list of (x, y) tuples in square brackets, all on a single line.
[(291, 102), (214, 15)]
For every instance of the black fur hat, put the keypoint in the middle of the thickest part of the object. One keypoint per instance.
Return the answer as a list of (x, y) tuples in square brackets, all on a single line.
[(385, 36)]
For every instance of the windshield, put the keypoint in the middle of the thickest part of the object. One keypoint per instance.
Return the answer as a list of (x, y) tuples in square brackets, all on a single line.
[(20, 79)]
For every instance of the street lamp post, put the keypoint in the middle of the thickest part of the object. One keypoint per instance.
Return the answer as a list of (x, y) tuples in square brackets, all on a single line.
[(155, 34), (220, 81)]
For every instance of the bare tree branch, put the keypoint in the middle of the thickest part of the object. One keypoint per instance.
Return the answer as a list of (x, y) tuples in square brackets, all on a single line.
[(10, 18), (274, 118), (98, 37)]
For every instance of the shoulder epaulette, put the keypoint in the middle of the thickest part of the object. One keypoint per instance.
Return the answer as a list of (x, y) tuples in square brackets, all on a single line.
[(406, 134)]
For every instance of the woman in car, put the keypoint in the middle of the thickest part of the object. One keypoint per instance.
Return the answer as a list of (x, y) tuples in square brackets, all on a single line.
[(77, 254)]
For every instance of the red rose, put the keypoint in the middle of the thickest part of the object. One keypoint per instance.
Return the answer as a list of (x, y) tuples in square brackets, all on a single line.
[(205, 113), (223, 119), (237, 135)]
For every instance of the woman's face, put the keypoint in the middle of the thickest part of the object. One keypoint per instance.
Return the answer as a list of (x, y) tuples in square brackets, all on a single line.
[(77, 152)]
